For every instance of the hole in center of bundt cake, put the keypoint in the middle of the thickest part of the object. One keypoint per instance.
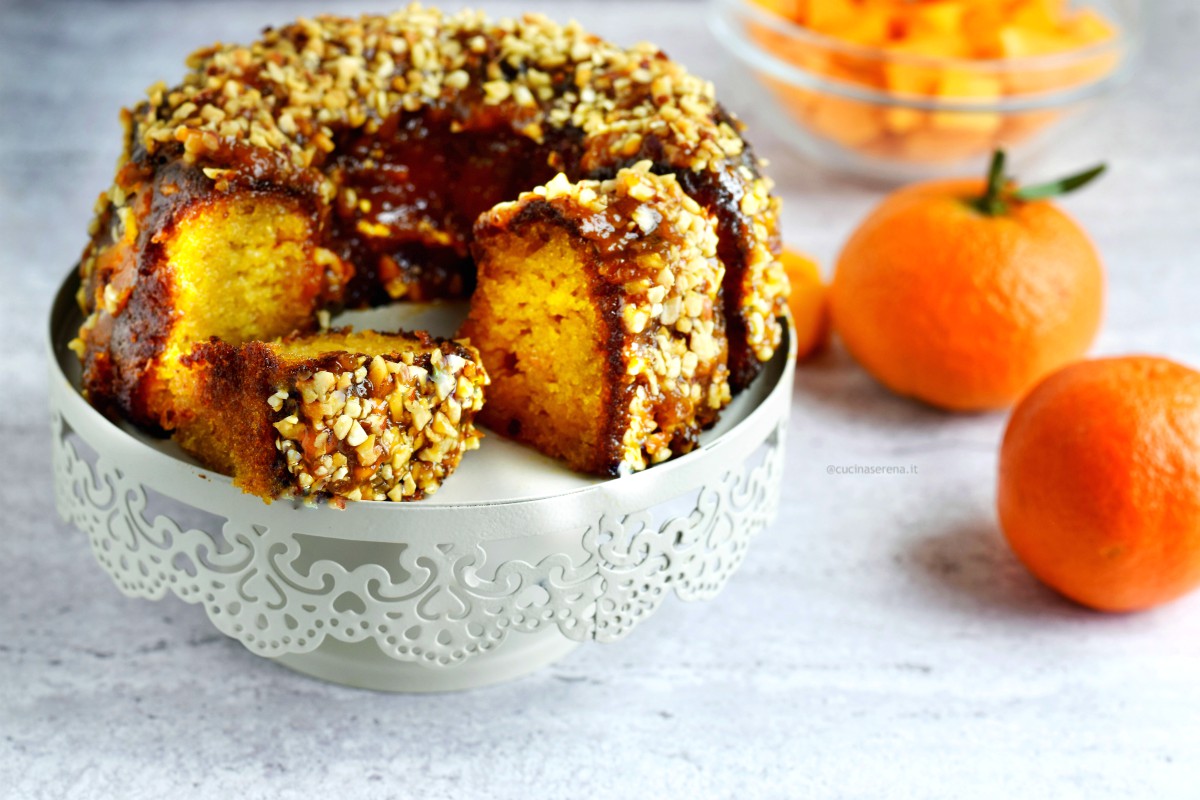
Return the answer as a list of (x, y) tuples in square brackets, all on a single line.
[(409, 195)]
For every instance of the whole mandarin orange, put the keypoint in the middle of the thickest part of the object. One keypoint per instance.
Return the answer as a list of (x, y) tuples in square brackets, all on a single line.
[(809, 303), (963, 295), (1099, 484)]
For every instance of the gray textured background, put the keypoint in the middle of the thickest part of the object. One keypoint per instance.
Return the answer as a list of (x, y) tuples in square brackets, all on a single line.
[(880, 640)]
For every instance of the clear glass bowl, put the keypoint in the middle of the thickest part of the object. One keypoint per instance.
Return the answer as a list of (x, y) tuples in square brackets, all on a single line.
[(900, 116)]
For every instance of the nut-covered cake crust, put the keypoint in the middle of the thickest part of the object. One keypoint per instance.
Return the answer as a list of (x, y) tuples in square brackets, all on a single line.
[(646, 255), (383, 138), (302, 417)]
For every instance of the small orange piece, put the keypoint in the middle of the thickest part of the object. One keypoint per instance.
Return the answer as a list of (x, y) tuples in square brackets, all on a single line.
[(809, 303), (1099, 488), (961, 309)]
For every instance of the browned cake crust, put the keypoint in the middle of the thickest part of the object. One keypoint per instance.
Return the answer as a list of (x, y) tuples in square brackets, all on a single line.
[(299, 417), (384, 137), (643, 261)]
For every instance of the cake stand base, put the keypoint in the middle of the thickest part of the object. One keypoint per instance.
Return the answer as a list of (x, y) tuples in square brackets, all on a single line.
[(363, 665)]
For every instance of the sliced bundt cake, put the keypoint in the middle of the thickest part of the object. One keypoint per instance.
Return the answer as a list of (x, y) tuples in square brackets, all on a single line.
[(344, 161)]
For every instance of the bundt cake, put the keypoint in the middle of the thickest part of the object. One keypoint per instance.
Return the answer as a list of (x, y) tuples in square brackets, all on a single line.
[(342, 163), (598, 312), (360, 416)]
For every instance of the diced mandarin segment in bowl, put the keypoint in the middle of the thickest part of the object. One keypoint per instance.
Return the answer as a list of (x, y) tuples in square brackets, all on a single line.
[(978, 29), (952, 51)]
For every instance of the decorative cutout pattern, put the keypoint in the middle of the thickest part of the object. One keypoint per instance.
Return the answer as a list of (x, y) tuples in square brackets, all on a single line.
[(434, 602)]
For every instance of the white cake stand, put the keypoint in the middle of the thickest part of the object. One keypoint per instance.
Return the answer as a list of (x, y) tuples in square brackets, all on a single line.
[(509, 567)]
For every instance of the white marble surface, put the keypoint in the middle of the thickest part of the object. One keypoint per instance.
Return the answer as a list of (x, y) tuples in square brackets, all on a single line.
[(880, 641)]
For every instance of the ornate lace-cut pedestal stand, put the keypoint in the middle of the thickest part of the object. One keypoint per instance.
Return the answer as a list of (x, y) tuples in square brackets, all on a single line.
[(508, 568)]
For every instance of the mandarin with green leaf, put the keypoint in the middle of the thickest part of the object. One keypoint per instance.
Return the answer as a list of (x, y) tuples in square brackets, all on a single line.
[(965, 293)]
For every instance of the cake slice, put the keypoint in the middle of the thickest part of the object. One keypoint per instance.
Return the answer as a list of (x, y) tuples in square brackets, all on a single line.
[(351, 415), (597, 313)]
